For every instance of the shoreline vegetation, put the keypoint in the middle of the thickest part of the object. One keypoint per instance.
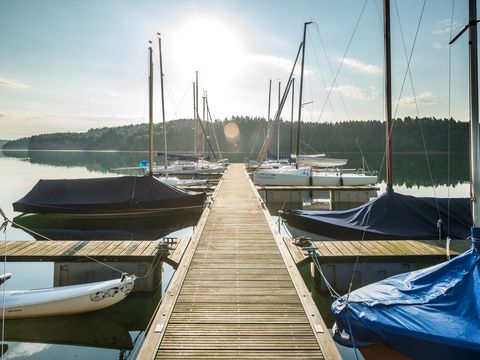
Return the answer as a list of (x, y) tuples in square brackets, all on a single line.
[(248, 133)]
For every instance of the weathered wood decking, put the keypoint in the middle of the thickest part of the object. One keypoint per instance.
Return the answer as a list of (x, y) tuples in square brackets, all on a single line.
[(389, 250), (73, 250), (237, 292)]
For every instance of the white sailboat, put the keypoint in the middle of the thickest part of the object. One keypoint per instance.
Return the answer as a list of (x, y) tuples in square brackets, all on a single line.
[(308, 170), (66, 300)]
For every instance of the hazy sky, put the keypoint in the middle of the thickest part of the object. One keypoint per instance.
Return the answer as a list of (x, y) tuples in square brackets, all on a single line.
[(75, 65)]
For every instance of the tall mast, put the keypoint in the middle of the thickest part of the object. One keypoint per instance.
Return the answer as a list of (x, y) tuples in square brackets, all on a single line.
[(203, 119), (291, 116), (163, 102), (474, 126), (194, 121), (150, 108), (278, 127), (196, 110), (388, 92), (300, 102), (269, 103)]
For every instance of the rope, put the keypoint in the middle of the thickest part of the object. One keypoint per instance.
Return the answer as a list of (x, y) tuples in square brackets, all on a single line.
[(4, 227), (47, 238), (150, 322), (409, 72), (343, 59), (449, 119), (342, 100), (312, 252)]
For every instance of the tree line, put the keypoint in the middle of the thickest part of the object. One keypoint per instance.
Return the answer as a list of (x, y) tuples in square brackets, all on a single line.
[(246, 135)]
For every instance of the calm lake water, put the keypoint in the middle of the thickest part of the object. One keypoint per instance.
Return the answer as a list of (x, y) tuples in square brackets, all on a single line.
[(115, 332)]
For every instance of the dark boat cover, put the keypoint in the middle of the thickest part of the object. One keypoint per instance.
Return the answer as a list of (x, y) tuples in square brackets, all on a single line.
[(389, 216), (107, 195), (432, 313)]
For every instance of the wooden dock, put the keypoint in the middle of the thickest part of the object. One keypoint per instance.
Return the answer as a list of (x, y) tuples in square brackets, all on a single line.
[(377, 250), (237, 292), (101, 250)]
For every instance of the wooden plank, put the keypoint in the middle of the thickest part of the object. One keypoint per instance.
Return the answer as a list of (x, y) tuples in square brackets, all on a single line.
[(322, 249)]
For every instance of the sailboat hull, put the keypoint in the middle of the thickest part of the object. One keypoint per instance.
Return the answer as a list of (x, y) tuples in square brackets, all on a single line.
[(66, 300), (308, 177)]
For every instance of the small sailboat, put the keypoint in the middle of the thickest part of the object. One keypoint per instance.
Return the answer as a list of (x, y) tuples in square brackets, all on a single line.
[(110, 196), (431, 313), (66, 300), (308, 170)]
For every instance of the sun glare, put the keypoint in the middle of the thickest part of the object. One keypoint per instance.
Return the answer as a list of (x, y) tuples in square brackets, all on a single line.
[(210, 46)]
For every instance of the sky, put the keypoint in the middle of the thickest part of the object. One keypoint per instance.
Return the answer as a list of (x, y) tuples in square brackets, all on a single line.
[(76, 65)]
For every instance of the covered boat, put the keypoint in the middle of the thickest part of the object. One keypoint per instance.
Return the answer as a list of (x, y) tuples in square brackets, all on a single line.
[(386, 216), (432, 313), (65, 300), (126, 195)]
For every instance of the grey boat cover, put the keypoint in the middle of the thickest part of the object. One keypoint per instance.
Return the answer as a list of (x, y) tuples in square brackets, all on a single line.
[(106, 195)]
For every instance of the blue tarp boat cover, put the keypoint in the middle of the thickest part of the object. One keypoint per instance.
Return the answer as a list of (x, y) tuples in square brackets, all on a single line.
[(106, 195), (389, 216), (432, 313)]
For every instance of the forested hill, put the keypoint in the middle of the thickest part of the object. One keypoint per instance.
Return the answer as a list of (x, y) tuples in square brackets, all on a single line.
[(243, 134)]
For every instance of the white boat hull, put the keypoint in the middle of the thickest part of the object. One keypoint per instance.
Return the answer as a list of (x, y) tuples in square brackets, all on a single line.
[(306, 177), (66, 300)]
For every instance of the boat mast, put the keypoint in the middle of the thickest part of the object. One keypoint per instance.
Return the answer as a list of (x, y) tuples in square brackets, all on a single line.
[(194, 121), (474, 126), (278, 127), (301, 88), (163, 103), (269, 105), (291, 115), (203, 119), (150, 108), (388, 92), (196, 110)]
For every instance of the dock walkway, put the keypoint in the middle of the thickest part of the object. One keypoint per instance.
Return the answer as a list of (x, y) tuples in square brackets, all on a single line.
[(237, 292)]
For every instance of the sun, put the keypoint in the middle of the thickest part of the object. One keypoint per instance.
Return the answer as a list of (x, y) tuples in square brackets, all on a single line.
[(208, 45)]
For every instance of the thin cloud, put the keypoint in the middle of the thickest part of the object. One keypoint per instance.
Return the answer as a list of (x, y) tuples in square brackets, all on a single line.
[(360, 66), (423, 99), (357, 93), (445, 26), (272, 61), (5, 82), (439, 45)]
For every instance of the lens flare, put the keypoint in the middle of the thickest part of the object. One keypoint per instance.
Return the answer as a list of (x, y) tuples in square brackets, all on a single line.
[(232, 132)]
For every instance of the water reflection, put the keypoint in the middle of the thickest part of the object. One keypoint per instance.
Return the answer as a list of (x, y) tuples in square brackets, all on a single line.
[(409, 169), (117, 328), (57, 227), (84, 330)]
